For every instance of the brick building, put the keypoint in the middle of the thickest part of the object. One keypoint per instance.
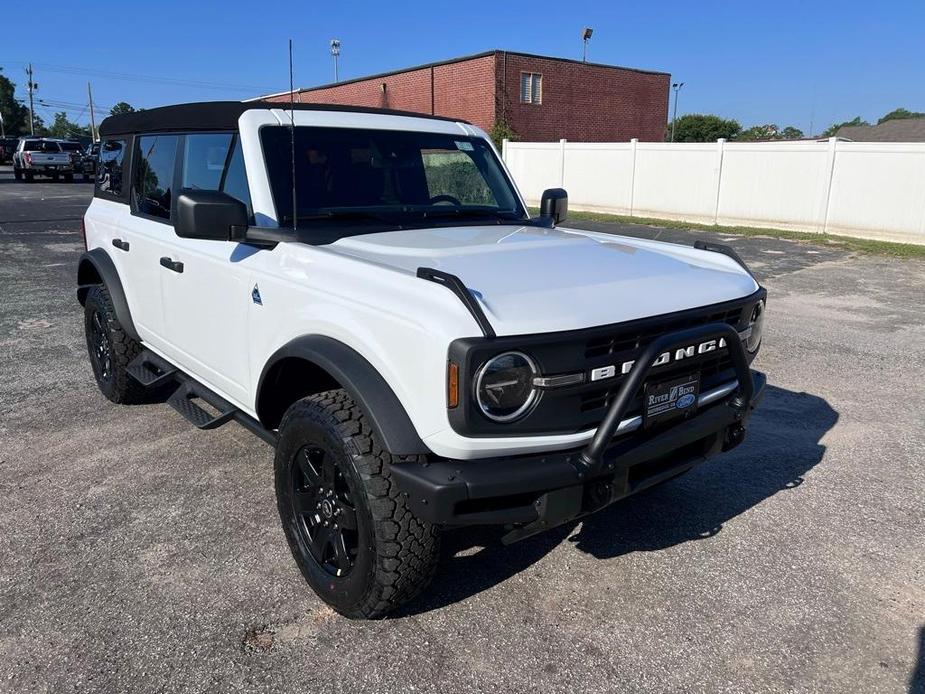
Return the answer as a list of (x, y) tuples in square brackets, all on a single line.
[(540, 98)]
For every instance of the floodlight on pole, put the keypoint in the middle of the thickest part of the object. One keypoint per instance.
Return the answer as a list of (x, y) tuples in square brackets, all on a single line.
[(335, 52), (674, 118), (586, 36)]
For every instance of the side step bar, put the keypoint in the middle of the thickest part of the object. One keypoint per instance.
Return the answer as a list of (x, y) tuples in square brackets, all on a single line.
[(150, 370), (189, 397), (184, 400)]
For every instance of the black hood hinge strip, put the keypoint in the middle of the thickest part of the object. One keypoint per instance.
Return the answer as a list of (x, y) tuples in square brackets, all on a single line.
[(455, 285)]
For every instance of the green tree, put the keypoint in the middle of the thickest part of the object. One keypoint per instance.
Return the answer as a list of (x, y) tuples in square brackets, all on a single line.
[(695, 127), (769, 132), (120, 108), (900, 114), (502, 130), (760, 132), (15, 115), (832, 129), (62, 127)]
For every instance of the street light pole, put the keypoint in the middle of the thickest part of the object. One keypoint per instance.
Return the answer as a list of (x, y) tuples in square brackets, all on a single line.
[(674, 118), (586, 36)]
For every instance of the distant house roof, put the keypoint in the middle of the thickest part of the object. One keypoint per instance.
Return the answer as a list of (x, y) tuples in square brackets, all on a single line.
[(900, 130)]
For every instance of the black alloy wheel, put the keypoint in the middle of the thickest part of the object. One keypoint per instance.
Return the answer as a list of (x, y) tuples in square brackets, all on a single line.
[(100, 348), (326, 514)]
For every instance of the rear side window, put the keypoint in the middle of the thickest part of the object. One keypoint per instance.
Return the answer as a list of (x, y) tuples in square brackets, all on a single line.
[(215, 162), (152, 187), (109, 173)]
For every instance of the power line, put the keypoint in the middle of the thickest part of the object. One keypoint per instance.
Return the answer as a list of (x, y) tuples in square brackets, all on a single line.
[(130, 77)]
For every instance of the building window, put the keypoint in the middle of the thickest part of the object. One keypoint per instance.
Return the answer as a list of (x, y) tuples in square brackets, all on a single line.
[(531, 88)]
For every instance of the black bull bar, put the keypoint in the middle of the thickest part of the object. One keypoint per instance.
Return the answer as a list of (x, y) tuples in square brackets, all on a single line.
[(534, 492)]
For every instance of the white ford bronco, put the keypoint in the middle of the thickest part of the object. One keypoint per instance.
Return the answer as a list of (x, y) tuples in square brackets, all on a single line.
[(366, 291)]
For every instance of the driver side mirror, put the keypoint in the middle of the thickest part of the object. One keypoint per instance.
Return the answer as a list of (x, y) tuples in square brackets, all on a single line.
[(554, 205), (210, 215)]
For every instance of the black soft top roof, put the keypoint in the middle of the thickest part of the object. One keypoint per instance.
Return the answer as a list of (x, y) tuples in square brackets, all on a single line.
[(221, 115)]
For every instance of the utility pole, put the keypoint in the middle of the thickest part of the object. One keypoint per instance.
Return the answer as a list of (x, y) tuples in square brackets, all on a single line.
[(335, 52), (674, 118), (31, 87), (92, 119)]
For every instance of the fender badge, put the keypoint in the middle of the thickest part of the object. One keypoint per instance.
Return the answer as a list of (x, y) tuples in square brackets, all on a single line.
[(255, 295)]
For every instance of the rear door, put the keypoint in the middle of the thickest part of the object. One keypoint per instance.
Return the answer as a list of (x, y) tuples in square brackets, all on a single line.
[(206, 305), (113, 227)]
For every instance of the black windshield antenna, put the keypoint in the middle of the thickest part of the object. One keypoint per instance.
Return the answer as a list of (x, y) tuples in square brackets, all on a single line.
[(295, 214)]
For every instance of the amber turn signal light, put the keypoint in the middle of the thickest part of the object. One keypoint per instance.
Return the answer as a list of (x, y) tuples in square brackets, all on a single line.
[(452, 385)]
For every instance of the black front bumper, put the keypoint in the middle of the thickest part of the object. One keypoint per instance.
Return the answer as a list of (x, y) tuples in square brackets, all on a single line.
[(537, 492)]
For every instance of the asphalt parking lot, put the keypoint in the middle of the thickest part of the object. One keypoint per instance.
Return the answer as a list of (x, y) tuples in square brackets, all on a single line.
[(142, 555)]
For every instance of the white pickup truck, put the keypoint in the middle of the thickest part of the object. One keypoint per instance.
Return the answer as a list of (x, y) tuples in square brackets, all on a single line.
[(41, 157)]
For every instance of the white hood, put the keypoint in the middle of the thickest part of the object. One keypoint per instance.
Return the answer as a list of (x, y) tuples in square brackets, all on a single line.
[(531, 280)]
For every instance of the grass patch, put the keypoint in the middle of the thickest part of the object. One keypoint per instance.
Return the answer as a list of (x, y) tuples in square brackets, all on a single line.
[(848, 243)]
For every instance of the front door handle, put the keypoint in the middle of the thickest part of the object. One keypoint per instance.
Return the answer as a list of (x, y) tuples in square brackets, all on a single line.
[(172, 264), (120, 244)]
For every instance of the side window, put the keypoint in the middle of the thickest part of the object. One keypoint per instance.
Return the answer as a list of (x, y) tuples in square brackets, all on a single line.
[(153, 180), (215, 162), (109, 172)]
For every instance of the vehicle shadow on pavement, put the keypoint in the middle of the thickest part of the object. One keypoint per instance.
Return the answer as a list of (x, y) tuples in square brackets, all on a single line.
[(917, 681), (783, 444)]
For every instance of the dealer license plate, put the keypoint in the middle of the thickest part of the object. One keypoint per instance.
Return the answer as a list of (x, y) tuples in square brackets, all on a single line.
[(667, 400)]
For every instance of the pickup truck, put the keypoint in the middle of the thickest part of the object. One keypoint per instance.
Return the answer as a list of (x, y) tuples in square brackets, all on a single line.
[(41, 157)]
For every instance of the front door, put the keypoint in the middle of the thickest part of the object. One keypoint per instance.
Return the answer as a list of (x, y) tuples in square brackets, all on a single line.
[(206, 288)]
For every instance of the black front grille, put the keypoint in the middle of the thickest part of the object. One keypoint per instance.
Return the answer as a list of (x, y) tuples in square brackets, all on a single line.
[(623, 342), (710, 367), (582, 406)]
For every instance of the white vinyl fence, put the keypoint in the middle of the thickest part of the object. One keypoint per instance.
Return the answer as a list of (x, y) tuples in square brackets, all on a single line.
[(864, 189)]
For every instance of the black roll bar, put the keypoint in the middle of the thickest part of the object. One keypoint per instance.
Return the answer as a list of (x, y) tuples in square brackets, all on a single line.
[(591, 457)]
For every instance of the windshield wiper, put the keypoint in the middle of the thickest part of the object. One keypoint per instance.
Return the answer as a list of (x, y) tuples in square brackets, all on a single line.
[(338, 215), (464, 213)]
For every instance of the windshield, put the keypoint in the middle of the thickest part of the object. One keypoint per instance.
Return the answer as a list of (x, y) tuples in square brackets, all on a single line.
[(71, 146), (375, 178)]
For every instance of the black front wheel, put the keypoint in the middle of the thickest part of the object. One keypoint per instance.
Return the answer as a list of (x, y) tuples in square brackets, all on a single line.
[(110, 349), (350, 531)]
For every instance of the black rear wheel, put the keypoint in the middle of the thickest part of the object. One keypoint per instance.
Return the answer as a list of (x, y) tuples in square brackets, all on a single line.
[(350, 531)]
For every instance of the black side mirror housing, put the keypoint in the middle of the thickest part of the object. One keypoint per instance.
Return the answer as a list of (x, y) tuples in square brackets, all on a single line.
[(554, 205), (210, 215)]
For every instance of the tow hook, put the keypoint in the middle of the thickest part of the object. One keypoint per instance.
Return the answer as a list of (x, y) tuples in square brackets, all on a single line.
[(735, 435)]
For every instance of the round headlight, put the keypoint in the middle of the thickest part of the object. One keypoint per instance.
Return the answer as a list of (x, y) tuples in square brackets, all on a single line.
[(504, 386), (756, 323)]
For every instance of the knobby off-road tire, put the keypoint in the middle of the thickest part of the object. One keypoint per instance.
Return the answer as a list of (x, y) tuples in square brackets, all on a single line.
[(110, 349), (351, 532)]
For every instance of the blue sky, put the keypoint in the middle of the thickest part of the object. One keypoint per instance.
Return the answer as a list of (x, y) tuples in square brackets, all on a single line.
[(786, 62)]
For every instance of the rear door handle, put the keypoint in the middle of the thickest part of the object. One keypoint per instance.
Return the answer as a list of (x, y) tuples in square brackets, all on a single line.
[(120, 244), (172, 264)]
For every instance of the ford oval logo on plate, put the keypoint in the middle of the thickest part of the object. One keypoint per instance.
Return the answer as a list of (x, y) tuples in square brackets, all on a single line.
[(685, 401)]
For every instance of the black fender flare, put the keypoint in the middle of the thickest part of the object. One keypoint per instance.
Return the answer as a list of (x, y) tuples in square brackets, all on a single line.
[(362, 382), (105, 269)]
